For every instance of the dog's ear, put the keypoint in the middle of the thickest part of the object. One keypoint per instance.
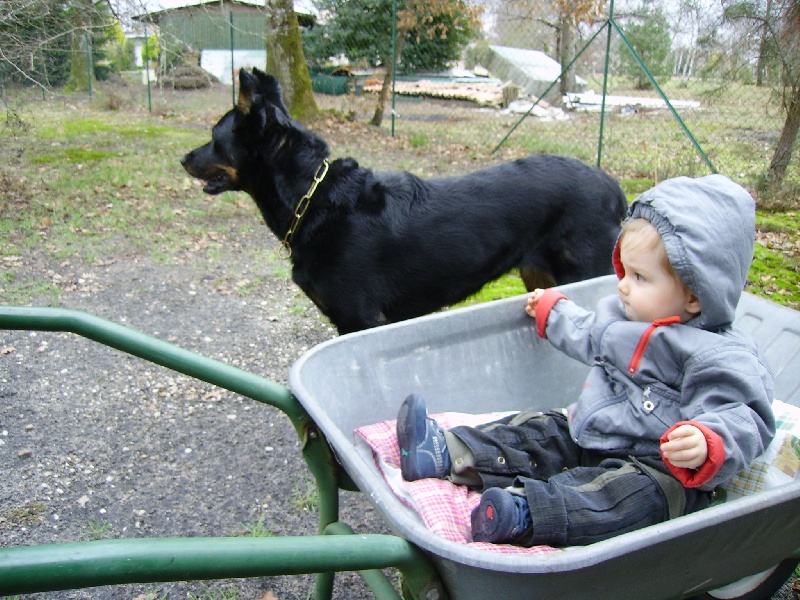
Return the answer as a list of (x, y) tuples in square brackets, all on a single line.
[(262, 91), (270, 88), (248, 89), (268, 85)]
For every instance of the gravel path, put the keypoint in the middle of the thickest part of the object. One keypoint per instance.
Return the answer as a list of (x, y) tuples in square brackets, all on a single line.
[(98, 444)]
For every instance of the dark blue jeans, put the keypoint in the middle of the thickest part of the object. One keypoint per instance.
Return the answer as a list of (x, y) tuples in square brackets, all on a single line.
[(576, 496)]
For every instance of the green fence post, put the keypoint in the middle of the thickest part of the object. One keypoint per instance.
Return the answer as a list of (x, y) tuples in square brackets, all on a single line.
[(394, 55), (147, 66), (88, 42), (233, 74), (605, 87)]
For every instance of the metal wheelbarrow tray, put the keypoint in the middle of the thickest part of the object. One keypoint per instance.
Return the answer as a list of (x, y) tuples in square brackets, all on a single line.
[(478, 359), (488, 358)]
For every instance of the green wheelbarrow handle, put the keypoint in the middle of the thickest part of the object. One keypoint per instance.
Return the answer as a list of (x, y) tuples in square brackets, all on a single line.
[(64, 566)]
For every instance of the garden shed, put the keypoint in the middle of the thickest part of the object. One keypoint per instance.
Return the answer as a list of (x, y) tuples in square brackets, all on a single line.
[(531, 70), (217, 30)]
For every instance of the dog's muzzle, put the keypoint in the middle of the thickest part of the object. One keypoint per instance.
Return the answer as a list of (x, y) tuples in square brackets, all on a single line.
[(218, 178)]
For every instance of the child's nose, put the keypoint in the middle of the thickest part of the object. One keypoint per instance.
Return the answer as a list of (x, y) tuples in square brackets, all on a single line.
[(622, 285)]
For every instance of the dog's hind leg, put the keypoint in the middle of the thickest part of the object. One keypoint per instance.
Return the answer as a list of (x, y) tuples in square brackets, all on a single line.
[(536, 277)]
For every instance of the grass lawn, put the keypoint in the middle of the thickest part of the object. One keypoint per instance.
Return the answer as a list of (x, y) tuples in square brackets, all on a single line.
[(79, 180)]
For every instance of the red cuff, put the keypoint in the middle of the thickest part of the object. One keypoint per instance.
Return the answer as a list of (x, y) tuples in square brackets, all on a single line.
[(691, 478), (546, 303)]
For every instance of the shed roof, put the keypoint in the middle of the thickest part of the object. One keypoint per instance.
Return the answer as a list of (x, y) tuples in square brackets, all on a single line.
[(152, 7), (532, 70)]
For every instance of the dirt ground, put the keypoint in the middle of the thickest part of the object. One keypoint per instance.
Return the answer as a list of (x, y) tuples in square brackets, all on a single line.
[(98, 444)]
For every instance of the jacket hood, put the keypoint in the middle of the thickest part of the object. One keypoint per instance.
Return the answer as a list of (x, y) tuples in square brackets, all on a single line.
[(708, 229)]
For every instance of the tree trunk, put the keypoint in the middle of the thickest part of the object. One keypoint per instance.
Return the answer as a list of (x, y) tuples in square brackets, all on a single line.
[(684, 65), (286, 61), (383, 95), (80, 55), (566, 50), (761, 67), (783, 150), (79, 69)]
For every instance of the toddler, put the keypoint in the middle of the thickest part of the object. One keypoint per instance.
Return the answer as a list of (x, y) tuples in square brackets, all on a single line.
[(676, 402)]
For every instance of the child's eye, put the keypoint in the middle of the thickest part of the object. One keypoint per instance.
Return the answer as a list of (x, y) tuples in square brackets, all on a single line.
[(639, 277)]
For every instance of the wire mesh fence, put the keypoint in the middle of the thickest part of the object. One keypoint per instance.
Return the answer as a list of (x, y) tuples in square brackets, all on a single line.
[(504, 98), (678, 125)]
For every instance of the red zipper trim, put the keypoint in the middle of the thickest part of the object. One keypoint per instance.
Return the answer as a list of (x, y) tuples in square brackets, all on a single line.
[(638, 353)]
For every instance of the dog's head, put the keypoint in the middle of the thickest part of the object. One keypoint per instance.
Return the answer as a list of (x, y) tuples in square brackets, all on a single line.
[(224, 163)]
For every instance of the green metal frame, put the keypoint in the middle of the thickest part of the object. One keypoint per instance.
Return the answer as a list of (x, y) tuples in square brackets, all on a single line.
[(86, 564), (611, 26)]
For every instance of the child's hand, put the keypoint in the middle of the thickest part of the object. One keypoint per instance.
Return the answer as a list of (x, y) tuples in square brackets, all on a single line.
[(533, 302), (686, 447)]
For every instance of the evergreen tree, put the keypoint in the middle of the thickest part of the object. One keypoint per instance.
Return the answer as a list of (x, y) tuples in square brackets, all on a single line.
[(430, 35), (650, 37), (361, 31)]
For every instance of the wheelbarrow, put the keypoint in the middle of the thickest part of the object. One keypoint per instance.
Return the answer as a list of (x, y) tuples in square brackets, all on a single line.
[(484, 357)]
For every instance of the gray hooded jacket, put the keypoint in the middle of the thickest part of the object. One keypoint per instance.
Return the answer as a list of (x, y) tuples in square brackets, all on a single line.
[(648, 378)]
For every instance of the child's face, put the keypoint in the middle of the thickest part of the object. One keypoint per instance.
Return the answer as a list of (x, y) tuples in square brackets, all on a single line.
[(648, 290)]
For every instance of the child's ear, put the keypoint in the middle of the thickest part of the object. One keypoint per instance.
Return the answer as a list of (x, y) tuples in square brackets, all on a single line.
[(692, 303)]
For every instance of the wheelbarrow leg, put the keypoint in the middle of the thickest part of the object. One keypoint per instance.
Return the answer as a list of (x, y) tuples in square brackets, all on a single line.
[(324, 587), (420, 580), (323, 466), (374, 578)]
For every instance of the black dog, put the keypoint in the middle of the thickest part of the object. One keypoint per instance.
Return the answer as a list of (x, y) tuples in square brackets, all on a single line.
[(373, 248)]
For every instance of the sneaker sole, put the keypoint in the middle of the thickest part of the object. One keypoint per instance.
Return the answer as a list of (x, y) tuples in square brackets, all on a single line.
[(486, 526), (407, 431)]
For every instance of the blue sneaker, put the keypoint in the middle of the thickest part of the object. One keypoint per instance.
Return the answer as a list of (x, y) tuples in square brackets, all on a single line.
[(423, 451), (501, 517)]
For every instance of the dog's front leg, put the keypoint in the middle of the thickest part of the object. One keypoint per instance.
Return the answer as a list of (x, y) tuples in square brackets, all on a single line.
[(353, 322)]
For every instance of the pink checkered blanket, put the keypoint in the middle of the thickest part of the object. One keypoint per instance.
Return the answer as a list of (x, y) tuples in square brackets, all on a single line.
[(445, 508)]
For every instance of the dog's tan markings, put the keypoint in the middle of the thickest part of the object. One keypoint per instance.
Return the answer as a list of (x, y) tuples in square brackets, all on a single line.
[(245, 101), (232, 173)]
